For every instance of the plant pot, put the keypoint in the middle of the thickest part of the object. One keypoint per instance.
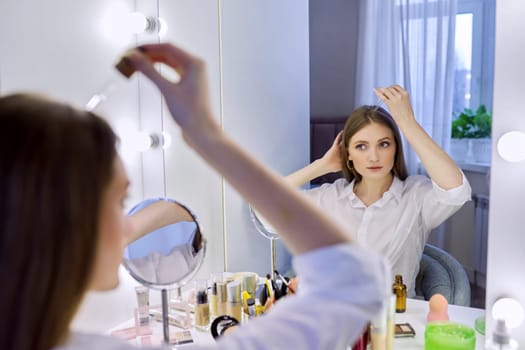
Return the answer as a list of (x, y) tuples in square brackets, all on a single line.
[(459, 149), (471, 150), (481, 149)]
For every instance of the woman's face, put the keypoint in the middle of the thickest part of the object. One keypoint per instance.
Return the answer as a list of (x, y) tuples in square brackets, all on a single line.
[(372, 151), (114, 227)]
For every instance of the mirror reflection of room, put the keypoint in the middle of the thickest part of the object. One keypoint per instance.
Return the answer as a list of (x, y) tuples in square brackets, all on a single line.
[(449, 77)]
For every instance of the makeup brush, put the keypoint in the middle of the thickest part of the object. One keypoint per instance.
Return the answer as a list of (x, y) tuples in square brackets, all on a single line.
[(285, 281)]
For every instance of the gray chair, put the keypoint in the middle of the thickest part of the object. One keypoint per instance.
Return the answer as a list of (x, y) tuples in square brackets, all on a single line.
[(441, 273)]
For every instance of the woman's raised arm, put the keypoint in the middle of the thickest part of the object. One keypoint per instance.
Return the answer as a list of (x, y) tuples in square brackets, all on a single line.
[(302, 226), (438, 164)]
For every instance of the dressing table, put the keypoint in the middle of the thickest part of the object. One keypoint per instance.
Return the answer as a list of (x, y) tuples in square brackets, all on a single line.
[(415, 314)]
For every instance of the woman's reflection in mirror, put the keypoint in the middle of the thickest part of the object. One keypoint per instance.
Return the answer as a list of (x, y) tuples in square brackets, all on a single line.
[(376, 201), (167, 245)]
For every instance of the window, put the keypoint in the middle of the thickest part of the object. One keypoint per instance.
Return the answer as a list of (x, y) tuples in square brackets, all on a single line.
[(474, 59)]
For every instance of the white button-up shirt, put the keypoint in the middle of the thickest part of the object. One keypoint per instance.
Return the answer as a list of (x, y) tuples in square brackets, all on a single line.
[(397, 225)]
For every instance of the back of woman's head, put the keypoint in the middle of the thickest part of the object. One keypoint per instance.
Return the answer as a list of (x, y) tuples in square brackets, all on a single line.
[(55, 163), (358, 119)]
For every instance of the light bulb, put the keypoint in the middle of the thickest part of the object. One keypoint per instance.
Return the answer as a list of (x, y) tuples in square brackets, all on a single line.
[(511, 146), (143, 141), (136, 22), (163, 27), (166, 140), (509, 310), (139, 23)]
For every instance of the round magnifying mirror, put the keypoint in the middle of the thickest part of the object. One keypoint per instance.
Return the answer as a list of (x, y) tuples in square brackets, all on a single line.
[(262, 225), (170, 248), (167, 250), (267, 231)]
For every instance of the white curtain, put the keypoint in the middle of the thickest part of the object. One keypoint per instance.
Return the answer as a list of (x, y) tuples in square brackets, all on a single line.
[(410, 43)]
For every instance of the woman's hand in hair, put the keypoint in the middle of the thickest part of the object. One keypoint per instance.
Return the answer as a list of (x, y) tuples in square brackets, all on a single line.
[(397, 100), (332, 158), (438, 164)]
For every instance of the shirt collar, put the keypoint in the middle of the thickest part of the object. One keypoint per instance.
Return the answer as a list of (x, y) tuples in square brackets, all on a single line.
[(395, 191)]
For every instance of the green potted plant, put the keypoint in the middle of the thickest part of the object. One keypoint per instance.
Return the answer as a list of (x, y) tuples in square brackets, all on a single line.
[(471, 135)]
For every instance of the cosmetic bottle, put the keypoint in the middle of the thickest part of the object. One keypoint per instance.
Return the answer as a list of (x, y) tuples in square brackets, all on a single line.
[(234, 303), (251, 307), (221, 298), (400, 290), (383, 325), (501, 339), (143, 306), (202, 308), (212, 294), (249, 285)]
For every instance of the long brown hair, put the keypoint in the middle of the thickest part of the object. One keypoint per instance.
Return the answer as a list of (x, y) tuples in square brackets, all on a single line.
[(357, 120), (55, 163)]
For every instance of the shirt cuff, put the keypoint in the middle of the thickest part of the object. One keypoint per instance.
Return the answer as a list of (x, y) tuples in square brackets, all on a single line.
[(455, 196)]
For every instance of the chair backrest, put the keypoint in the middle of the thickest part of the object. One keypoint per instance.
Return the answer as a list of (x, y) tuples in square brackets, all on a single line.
[(441, 273), (323, 130)]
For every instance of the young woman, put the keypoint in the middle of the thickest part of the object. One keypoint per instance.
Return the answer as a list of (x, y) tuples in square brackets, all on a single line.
[(376, 201), (63, 229)]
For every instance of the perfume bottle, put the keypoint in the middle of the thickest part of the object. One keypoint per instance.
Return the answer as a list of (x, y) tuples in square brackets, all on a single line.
[(400, 290)]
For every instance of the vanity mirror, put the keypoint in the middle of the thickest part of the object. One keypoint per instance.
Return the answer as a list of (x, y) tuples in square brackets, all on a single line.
[(268, 232), (168, 249)]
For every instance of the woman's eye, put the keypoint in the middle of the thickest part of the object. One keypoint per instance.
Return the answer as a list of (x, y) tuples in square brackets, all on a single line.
[(360, 147), (385, 144)]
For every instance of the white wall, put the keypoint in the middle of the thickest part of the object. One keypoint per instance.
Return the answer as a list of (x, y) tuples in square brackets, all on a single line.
[(265, 105), (506, 259)]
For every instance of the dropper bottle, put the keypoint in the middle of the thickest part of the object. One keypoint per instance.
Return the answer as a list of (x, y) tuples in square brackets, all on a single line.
[(400, 290)]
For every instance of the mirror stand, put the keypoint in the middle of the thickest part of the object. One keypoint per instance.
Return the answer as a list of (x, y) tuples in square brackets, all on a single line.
[(165, 323), (167, 250), (273, 255)]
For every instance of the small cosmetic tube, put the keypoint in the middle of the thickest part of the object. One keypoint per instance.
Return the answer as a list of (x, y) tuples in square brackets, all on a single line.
[(143, 306), (382, 326), (202, 308), (181, 321), (234, 304), (125, 333)]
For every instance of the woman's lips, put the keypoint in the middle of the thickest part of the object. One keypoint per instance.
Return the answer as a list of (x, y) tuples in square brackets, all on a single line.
[(374, 167)]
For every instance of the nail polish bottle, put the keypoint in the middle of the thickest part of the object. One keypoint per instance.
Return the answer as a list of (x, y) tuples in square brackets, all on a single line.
[(400, 290)]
